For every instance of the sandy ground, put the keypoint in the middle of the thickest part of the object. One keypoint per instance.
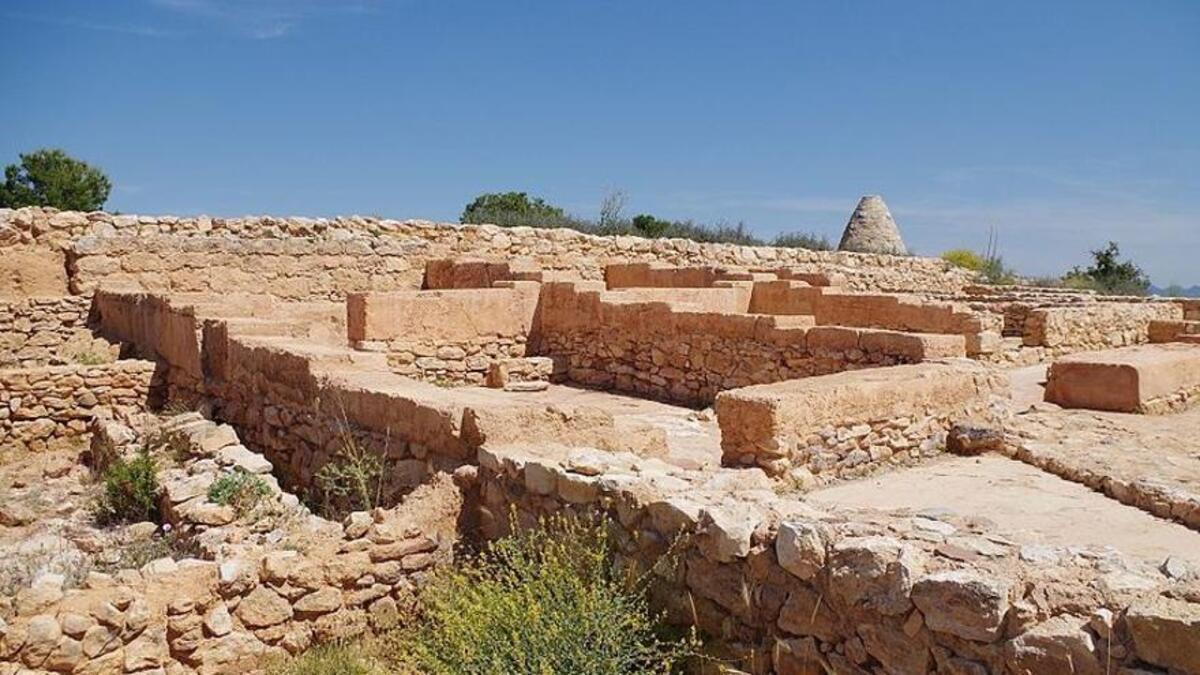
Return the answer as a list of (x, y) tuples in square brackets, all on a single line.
[(1025, 503), (1159, 448)]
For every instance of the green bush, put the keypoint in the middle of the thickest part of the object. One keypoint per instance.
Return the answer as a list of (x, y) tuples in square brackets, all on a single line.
[(240, 489), (1109, 274), (548, 600), (351, 481), (812, 242), (129, 491), (965, 258)]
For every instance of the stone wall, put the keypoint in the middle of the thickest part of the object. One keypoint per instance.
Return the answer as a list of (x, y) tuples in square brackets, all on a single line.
[(1095, 326), (445, 336), (48, 331), (833, 306), (291, 268), (608, 340), (43, 407), (298, 407), (848, 424), (220, 242), (789, 589), (246, 605)]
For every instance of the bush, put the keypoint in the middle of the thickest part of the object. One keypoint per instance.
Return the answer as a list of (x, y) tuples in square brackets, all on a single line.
[(240, 489), (53, 178), (548, 600), (812, 242), (130, 490), (510, 209), (965, 258), (351, 481), (1109, 274), (167, 544)]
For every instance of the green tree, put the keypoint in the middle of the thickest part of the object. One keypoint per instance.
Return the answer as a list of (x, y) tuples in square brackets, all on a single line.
[(1110, 274), (647, 225), (51, 177), (511, 208)]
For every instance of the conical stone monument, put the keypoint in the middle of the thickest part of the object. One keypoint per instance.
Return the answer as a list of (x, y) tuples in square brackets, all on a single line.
[(872, 230)]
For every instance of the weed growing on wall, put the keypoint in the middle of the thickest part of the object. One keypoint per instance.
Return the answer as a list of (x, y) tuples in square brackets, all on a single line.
[(240, 489), (351, 481), (129, 490)]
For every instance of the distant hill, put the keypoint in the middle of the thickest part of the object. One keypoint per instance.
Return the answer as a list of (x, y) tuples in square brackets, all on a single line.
[(1189, 292)]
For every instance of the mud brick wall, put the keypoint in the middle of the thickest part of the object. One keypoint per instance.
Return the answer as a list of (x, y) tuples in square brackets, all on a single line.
[(556, 250), (849, 424), (48, 331), (1064, 330), (791, 589), (42, 407), (603, 340)]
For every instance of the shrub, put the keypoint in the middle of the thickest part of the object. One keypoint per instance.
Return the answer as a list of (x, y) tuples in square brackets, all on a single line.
[(168, 544), (965, 258), (1109, 274), (810, 241), (240, 489), (129, 492), (511, 209), (351, 481), (547, 600)]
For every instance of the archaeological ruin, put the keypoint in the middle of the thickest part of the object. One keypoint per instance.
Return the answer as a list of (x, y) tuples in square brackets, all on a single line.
[(870, 462)]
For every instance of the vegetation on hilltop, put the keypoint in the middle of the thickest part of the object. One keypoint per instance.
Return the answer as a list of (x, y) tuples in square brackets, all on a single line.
[(51, 177), (1107, 273), (515, 209)]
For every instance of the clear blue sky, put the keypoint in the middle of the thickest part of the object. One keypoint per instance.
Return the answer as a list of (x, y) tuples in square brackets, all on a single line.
[(1064, 124)]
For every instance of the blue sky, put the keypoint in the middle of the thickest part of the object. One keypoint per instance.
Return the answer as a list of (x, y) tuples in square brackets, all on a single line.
[(1063, 124)]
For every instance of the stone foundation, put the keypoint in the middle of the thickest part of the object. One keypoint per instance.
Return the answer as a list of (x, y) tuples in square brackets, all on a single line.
[(1145, 379), (612, 340), (788, 589), (49, 331), (847, 424), (43, 407), (1064, 330)]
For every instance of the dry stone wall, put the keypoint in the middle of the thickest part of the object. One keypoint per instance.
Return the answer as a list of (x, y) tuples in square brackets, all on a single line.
[(849, 424), (1064, 330), (42, 407), (245, 605), (687, 357), (221, 241), (789, 589), (48, 331)]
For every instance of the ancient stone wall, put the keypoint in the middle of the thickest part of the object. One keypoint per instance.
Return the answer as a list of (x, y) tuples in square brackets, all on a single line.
[(247, 606), (835, 307), (221, 242), (607, 340), (291, 268), (42, 407), (848, 424), (790, 589), (48, 331), (1096, 326), (445, 336)]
